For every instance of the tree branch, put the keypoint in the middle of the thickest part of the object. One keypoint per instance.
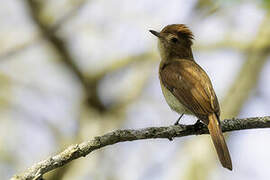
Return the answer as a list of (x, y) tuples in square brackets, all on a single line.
[(60, 46), (257, 55), (38, 37), (81, 150)]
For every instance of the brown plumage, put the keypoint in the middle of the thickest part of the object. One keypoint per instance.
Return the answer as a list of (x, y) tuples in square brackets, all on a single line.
[(181, 30), (185, 85)]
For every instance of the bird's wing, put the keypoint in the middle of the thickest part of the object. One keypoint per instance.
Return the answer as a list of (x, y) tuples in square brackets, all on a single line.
[(189, 83)]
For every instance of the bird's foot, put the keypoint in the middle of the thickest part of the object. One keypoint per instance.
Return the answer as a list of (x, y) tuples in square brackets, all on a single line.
[(198, 125)]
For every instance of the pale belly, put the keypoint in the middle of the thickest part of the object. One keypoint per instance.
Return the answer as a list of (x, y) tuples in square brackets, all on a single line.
[(173, 102)]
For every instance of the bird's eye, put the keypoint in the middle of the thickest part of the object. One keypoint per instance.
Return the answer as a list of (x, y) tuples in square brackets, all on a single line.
[(174, 40)]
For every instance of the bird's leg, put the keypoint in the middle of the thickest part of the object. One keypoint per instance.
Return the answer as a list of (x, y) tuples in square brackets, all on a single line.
[(177, 122)]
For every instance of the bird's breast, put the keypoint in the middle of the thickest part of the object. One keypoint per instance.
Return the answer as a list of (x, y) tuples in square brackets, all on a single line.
[(173, 102)]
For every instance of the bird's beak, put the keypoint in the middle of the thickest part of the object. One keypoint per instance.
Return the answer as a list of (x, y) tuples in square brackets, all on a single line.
[(155, 33)]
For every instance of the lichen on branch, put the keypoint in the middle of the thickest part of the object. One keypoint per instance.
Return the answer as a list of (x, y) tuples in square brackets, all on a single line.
[(81, 150)]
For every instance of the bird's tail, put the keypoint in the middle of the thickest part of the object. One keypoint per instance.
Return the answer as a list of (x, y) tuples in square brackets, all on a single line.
[(219, 141)]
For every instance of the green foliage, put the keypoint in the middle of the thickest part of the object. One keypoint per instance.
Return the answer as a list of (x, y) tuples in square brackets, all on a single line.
[(266, 4)]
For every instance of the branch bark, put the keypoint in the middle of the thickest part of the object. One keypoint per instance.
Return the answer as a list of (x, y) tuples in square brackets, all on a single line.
[(81, 150)]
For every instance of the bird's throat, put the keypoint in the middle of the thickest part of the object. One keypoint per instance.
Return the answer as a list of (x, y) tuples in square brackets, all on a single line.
[(168, 54)]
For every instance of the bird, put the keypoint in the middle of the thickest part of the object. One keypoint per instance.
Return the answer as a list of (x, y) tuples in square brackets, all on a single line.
[(186, 86)]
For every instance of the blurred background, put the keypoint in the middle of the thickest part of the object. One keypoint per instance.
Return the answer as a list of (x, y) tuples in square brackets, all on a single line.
[(74, 69)]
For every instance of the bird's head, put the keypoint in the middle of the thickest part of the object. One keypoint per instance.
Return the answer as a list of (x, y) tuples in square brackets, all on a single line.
[(174, 40)]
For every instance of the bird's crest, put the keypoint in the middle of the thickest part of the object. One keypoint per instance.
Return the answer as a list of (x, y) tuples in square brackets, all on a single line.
[(181, 30)]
